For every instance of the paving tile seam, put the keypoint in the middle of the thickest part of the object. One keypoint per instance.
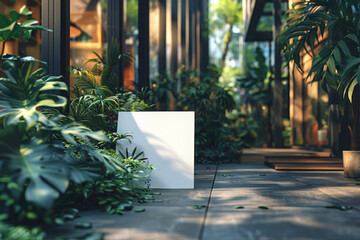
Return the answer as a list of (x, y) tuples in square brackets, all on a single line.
[(208, 203), (323, 192)]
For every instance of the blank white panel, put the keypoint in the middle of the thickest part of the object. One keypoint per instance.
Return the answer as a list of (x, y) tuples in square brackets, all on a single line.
[(167, 139)]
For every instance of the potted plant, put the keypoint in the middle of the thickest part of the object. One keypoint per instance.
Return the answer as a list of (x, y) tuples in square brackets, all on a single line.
[(329, 32)]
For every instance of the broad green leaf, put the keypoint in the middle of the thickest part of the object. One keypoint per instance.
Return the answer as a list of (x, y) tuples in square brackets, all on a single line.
[(139, 210), (83, 225), (25, 11), (199, 206), (337, 55), (41, 165), (155, 193), (344, 48), (239, 207), (331, 65), (351, 89), (4, 21), (340, 207), (353, 37), (30, 22)]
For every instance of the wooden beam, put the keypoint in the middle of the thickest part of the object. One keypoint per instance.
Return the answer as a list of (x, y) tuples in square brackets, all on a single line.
[(174, 37), (204, 38), (263, 36), (55, 47), (144, 44), (162, 36), (182, 32), (257, 10), (116, 18), (278, 99)]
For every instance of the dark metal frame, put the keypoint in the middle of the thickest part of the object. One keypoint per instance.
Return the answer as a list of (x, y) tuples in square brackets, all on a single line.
[(55, 47), (162, 37), (144, 44), (116, 21)]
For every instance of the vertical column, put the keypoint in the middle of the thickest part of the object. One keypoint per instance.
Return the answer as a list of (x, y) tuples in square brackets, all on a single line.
[(162, 36), (277, 81), (174, 37), (204, 38), (182, 28), (188, 33), (55, 46), (144, 44), (193, 41), (115, 29)]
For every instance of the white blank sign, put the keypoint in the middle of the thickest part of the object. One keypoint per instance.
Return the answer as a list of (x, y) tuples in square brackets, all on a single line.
[(167, 139)]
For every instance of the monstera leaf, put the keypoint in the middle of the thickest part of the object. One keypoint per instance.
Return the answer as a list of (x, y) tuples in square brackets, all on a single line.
[(10, 28), (38, 167), (20, 97)]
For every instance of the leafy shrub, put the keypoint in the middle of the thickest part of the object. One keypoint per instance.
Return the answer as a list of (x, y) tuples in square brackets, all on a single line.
[(113, 190), (97, 107), (9, 232), (41, 154), (202, 94), (48, 161), (258, 96)]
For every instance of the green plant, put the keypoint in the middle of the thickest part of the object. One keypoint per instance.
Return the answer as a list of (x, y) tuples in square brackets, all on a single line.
[(329, 32), (20, 91), (9, 232), (213, 140), (104, 67), (97, 107), (163, 87), (10, 28), (41, 153), (114, 191), (257, 98), (244, 129)]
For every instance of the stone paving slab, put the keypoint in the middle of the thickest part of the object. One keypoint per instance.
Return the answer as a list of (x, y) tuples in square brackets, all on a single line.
[(297, 205), (288, 223), (173, 218), (297, 208)]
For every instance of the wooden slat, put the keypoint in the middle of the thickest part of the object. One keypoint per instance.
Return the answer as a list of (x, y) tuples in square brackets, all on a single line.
[(304, 163), (307, 167)]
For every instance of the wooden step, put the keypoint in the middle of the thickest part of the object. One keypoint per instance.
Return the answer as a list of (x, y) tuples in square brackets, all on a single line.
[(305, 167), (304, 163), (272, 157)]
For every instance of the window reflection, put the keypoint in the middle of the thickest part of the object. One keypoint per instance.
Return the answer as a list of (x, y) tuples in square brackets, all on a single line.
[(131, 44), (87, 32), (154, 37)]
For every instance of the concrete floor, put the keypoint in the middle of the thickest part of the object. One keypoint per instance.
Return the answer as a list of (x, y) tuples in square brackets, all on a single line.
[(297, 208)]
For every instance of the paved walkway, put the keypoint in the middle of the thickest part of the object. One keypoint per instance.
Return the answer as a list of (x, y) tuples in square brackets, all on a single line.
[(294, 207)]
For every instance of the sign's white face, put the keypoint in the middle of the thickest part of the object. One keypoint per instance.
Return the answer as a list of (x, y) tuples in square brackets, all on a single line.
[(167, 139)]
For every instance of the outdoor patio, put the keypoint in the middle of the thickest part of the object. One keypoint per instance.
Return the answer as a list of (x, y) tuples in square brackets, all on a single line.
[(237, 201)]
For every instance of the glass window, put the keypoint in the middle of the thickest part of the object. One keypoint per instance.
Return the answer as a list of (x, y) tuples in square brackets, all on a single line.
[(154, 38), (131, 44), (168, 35), (87, 32)]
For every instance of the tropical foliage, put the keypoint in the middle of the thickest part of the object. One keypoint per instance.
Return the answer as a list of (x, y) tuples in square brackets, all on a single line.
[(104, 66), (257, 97), (10, 28), (214, 141), (47, 155), (329, 32)]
